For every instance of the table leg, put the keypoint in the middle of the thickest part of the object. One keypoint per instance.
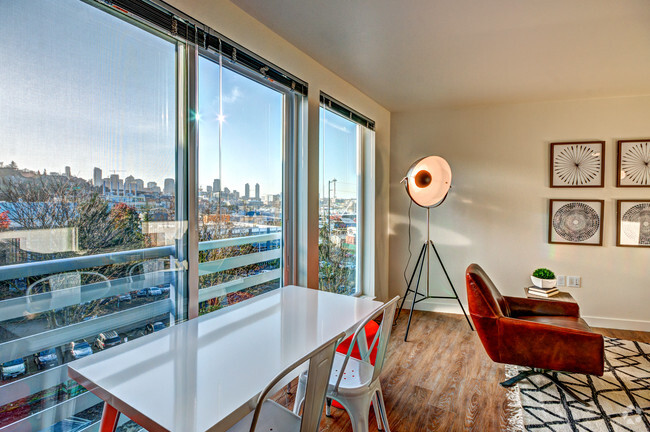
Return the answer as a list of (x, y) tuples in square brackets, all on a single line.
[(109, 419)]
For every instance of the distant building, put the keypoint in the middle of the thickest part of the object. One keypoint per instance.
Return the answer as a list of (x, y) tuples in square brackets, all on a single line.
[(129, 185), (97, 177), (216, 185), (235, 195), (152, 185), (115, 182), (247, 191), (170, 186), (209, 190), (68, 172), (139, 185), (257, 191)]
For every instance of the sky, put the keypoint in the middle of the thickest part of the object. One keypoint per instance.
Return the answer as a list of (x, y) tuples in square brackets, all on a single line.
[(90, 90)]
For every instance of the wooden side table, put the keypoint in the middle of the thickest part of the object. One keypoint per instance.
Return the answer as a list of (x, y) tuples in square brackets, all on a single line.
[(561, 296)]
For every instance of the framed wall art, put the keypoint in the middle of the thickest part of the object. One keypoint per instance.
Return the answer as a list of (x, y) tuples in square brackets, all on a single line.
[(578, 222), (578, 164), (633, 163), (633, 225)]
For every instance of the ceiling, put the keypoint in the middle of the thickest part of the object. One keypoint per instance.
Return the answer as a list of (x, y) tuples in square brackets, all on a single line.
[(416, 54)]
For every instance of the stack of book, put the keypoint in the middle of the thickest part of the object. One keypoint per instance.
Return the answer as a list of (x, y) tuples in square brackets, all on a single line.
[(543, 292)]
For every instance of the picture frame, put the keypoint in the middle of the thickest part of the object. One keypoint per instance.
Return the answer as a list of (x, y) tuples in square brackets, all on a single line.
[(633, 166), (577, 164), (576, 222), (633, 223)]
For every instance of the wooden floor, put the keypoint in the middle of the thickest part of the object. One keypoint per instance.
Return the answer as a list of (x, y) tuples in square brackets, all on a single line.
[(440, 380)]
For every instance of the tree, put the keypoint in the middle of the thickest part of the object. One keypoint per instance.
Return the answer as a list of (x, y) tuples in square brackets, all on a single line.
[(4, 221), (335, 274), (13, 165)]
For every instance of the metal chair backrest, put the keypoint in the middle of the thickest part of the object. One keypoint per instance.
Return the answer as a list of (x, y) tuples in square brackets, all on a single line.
[(380, 340), (320, 367)]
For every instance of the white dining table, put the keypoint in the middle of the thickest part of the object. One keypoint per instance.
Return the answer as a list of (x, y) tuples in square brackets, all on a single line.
[(205, 374)]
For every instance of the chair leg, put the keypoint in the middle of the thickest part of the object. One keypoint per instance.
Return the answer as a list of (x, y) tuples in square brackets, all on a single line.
[(375, 407), (328, 407), (382, 409), (566, 389), (300, 395), (549, 375), (522, 375), (359, 419)]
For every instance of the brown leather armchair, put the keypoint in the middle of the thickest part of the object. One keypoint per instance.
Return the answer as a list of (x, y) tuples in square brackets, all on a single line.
[(545, 335)]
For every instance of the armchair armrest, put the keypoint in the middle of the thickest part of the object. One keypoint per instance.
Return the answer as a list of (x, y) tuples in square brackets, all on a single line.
[(524, 306)]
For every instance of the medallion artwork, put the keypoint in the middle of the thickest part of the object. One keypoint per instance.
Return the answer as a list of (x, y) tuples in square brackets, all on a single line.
[(576, 222), (636, 224), (635, 164), (578, 165)]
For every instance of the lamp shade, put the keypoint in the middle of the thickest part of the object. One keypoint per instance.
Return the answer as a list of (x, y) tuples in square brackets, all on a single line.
[(428, 181)]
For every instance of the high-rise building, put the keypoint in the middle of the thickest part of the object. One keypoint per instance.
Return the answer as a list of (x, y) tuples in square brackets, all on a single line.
[(68, 172), (257, 191), (97, 177), (115, 182), (152, 185), (139, 185), (216, 185), (247, 191), (129, 184), (170, 186), (209, 190)]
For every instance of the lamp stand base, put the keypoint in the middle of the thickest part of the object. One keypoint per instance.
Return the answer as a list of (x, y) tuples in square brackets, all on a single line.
[(419, 265)]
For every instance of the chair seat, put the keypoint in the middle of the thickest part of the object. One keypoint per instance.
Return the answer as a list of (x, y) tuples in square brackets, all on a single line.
[(273, 417), (356, 377), (569, 322)]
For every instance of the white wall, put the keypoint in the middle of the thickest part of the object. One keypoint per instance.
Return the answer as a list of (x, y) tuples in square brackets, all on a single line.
[(497, 212), (229, 20)]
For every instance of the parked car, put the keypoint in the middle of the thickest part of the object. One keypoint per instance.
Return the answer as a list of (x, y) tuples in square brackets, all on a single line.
[(154, 327), (80, 349), (143, 292), (46, 359), (12, 369), (107, 340), (155, 291), (124, 297)]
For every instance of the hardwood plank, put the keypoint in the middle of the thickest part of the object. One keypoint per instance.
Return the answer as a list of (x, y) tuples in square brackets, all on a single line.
[(441, 380)]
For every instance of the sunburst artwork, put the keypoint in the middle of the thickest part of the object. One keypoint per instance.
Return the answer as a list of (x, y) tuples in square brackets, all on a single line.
[(633, 163), (577, 164)]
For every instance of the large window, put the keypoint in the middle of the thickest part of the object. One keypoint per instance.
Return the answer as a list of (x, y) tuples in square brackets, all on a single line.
[(92, 224), (339, 223), (240, 185), (117, 219)]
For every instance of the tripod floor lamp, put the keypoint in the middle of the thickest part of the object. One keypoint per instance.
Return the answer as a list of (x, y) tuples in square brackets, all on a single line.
[(427, 183)]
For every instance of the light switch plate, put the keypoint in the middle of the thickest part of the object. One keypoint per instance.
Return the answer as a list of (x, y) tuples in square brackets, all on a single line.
[(573, 281), (561, 281)]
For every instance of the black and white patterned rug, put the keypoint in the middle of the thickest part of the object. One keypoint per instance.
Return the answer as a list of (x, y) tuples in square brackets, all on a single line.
[(619, 400)]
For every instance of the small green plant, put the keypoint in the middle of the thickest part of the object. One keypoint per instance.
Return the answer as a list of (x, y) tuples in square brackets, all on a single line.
[(544, 273)]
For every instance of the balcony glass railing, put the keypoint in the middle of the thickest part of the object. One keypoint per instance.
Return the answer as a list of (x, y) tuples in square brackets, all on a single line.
[(64, 309)]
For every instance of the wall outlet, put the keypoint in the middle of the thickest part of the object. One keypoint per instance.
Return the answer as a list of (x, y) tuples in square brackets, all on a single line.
[(573, 281), (561, 281)]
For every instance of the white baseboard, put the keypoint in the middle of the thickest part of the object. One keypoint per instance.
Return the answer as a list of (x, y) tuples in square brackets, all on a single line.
[(451, 306), (437, 305), (617, 323)]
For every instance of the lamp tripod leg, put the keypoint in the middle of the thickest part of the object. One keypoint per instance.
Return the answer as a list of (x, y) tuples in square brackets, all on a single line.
[(425, 256), (451, 284), (408, 287)]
